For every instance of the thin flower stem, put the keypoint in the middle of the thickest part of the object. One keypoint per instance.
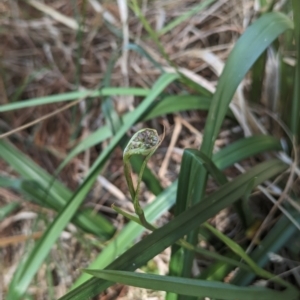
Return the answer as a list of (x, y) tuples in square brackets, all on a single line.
[(136, 203), (126, 214), (127, 172)]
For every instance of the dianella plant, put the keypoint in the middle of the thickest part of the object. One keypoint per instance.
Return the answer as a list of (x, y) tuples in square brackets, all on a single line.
[(234, 264)]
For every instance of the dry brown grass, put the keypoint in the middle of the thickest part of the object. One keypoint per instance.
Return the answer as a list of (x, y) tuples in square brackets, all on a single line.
[(39, 56)]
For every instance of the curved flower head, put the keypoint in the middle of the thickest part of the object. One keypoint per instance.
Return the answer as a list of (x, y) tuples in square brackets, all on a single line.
[(143, 142)]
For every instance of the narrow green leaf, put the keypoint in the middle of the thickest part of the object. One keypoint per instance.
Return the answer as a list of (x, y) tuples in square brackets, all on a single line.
[(295, 111), (7, 209), (28, 79), (192, 162), (111, 116), (111, 91), (138, 49), (240, 251), (277, 237), (258, 69), (177, 103), (218, 270), (183, 17), (194, 86), (257, 75), (191, 287), (245, 148), (246, 51), (134, 5), (199, 159), (98, 136)]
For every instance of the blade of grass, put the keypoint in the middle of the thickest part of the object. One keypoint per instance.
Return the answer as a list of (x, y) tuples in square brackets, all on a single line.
[(190, 287), (111, 91), (258, 69), (80, 15), (177, 103), (154, 36), (200, 159), (248, 48), (240, 251), (196, 87), (287, 73), (188, 82), (134, 5), (138, 49), (185, 16), (192, 162), (257, 75), (7, 209), (295, 118), (111, 116), (277, 237), (244, 148), (28, 79), (218, 270), (27, 188), (100, 135)]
